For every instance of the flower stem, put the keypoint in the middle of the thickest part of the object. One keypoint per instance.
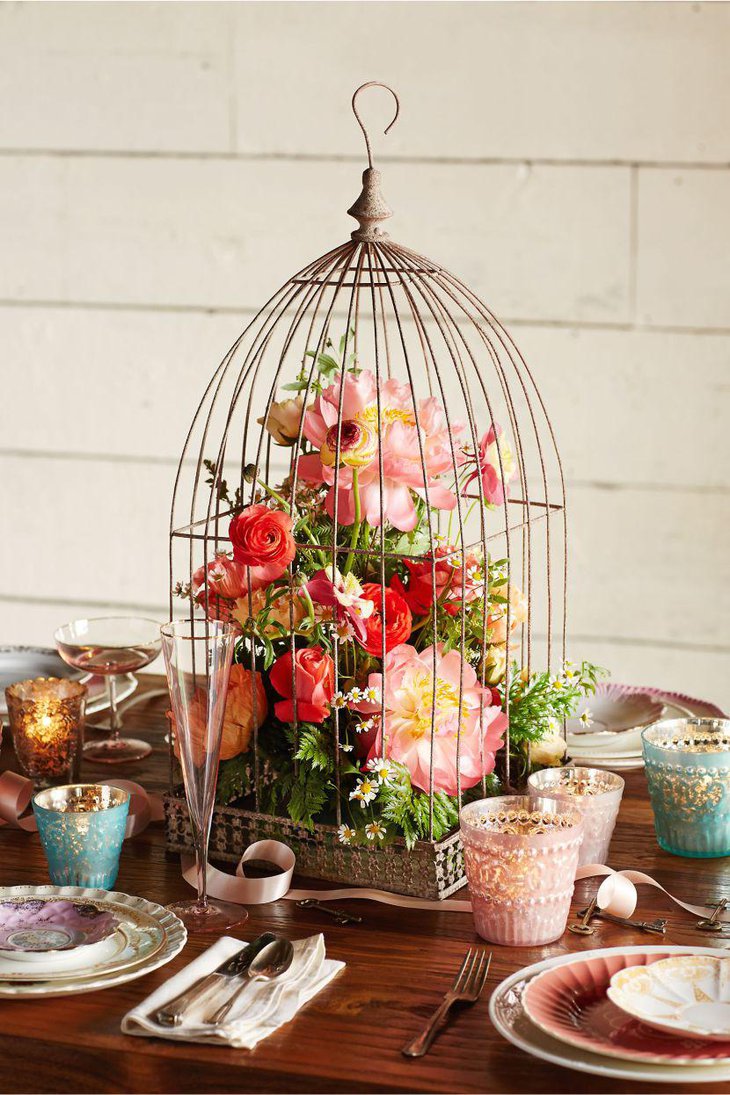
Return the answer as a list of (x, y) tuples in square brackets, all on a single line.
[(356, 523)]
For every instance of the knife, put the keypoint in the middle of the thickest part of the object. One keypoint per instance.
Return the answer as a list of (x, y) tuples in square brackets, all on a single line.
[(171, 1014)]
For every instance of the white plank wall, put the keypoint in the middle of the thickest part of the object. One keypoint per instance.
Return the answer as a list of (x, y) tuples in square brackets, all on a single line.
[(164, 166)]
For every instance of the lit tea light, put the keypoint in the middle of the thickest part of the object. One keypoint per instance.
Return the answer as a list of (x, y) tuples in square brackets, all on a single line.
[(47, 724)]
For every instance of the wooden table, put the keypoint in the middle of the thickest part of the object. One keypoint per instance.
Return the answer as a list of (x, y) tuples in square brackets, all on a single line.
[(399, 962)]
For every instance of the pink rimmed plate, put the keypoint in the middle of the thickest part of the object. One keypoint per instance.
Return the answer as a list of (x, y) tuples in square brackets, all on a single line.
[(569, 1002)]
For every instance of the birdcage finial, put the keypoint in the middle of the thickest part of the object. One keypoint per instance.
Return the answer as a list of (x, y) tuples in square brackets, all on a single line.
[(371, 208)]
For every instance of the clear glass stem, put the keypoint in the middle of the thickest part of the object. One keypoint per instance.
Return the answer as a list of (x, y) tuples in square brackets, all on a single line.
[(115, 723), (201, 864)]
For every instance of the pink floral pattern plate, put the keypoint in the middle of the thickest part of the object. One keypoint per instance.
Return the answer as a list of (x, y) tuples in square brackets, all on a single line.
[(569, 1002), (36, 928)]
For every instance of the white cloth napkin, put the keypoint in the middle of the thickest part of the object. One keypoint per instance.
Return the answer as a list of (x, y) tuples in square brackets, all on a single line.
[(261, 1008)]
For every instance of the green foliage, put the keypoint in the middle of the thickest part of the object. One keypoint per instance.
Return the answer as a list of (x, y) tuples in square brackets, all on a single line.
[(315, 748), (234, 779), (541, 703), (408, 809)]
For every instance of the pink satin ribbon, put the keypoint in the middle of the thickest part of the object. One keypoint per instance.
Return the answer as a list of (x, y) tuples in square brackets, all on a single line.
[(616, 895), (16, 792)]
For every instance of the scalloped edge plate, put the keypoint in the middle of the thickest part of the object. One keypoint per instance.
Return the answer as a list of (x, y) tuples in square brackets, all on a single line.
[(508, 1017), (135, 914)]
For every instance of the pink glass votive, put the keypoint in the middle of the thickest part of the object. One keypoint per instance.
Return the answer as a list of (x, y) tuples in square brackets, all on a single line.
[(521, 856), (596, 794)]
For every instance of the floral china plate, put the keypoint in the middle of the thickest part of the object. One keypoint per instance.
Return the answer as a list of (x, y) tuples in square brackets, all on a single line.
[(688, 995), (570, 1002), (508, 1015), (37, 932), (145, 937)]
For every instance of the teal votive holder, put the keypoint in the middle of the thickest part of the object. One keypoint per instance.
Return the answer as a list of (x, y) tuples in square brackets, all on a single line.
[(82, 827), (687, 764)]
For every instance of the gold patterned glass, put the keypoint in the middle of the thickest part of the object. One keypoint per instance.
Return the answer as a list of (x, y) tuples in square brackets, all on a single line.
[(47, 725)]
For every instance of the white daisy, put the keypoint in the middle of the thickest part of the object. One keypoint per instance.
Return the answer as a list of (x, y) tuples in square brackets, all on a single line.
[(587, 717), (345, 834), (382, 769), (355, 695), (365, 791), (364, 726), (371, 694), (339, 700), (346, 747), (375, 829)]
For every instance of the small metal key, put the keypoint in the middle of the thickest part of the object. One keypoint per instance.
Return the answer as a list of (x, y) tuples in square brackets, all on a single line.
[(657, 927), (713, 924), (340, 915)]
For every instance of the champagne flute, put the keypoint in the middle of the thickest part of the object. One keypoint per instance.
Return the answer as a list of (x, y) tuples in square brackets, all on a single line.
[(110, 646), (198, 654)]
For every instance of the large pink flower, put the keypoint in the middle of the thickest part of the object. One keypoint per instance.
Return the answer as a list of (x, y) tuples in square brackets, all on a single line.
[(406, 450), (409, 680), (226, 581)]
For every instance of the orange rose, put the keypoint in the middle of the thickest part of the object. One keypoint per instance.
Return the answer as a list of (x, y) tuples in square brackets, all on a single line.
[(238, 719)]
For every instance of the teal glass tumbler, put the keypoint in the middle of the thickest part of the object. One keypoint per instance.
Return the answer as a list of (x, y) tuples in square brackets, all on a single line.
[(687, 763), (82, 828)]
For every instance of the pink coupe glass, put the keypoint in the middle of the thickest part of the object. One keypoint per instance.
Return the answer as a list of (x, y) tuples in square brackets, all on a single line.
[(521, 856)]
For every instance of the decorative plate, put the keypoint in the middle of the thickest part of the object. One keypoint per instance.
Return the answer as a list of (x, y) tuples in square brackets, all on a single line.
[(147, 936), (508, 1016), (616, 708), (687, 995), (22, 663), (570, 1003), (583, 749), (39, 931)]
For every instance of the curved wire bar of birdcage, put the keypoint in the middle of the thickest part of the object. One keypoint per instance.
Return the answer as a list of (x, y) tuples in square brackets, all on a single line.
[(384, 293)]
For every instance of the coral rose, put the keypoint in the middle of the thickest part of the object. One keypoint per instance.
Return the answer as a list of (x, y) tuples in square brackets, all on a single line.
[(262, 539), (315, 685), (398, 619), (226, 581), (239, 718)]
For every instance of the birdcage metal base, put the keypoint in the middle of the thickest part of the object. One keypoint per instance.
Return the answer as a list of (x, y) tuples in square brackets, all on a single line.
[(432, 870)]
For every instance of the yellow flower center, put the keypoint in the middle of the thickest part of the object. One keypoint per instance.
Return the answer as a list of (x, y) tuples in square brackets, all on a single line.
[(417, 703), (369, 416)]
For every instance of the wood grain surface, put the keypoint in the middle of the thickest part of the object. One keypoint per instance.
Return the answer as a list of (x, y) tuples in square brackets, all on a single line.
[(399, 962)]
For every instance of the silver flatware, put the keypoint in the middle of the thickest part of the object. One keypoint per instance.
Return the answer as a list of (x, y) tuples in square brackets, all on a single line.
[(342, 916), (466, 989), (172, 1013), (270, 963)]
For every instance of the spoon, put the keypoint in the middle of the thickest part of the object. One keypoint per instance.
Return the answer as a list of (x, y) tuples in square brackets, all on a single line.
[(270, 963)]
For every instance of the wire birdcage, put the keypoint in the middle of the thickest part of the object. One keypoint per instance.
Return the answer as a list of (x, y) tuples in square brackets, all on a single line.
[(460, 470)]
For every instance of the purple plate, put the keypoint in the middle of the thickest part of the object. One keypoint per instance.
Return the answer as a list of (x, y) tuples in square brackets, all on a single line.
[(38, 927)]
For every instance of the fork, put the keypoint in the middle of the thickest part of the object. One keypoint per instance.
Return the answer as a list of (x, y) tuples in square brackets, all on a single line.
[(466, 989)]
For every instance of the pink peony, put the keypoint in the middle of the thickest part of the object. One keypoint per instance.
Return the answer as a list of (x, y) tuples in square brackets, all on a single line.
[(398, 441), (408, 678)]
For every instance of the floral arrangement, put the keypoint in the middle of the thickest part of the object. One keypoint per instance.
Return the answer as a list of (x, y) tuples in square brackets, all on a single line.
[(388, 640)]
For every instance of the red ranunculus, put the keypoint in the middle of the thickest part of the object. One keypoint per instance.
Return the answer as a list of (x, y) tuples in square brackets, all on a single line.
[(315, 681), (262, 540), (398, 619), (419, 593)]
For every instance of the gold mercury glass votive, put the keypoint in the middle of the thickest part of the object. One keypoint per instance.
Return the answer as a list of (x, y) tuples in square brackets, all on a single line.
[(47, 724)]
